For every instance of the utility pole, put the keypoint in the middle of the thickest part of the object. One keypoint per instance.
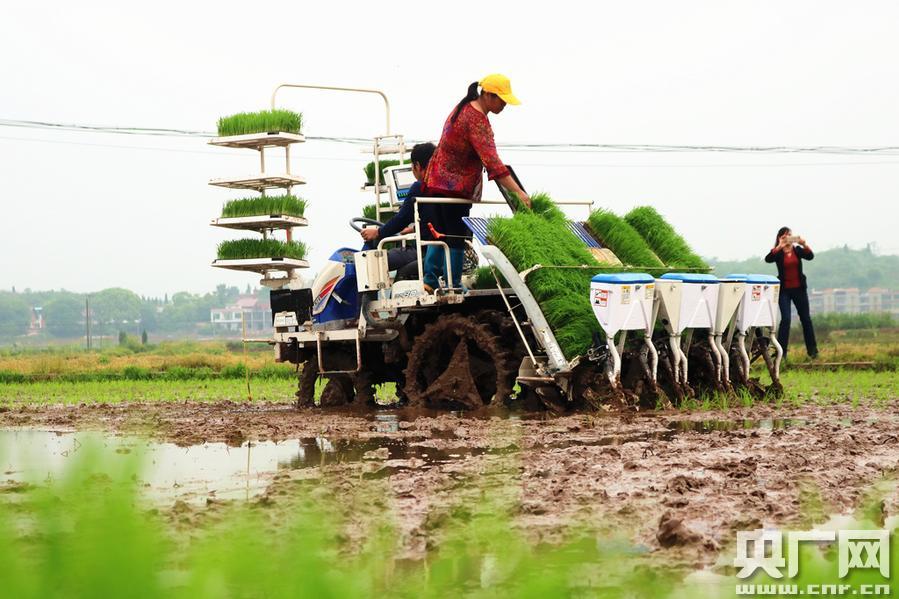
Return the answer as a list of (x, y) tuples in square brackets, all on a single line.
[(87, 320)]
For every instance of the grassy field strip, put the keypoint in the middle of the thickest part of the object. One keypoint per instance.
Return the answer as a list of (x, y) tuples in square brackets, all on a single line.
[(801, 387)]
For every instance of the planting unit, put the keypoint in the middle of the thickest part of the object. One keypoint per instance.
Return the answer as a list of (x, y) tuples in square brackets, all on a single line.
[(758, 310), (276, 271), (624, 302), (687, 301)]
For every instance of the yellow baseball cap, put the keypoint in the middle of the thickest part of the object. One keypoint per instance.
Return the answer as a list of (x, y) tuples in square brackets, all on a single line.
[(501, 86)]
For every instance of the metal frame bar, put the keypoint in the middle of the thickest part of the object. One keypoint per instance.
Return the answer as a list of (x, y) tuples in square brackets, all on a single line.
[(511, 311), (321, 366), (360, 90)]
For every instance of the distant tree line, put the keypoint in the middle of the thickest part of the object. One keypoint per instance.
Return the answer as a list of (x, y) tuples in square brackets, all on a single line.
[(838, 267), (113, 310)]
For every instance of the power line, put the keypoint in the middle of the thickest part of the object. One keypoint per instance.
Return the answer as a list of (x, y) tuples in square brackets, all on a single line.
[(541, 147), (534, 164)]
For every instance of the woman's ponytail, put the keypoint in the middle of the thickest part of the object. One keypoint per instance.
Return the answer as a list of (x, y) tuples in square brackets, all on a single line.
[(471, 96)]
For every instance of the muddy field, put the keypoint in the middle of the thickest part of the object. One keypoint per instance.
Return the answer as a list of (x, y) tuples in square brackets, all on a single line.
[(677, 482)]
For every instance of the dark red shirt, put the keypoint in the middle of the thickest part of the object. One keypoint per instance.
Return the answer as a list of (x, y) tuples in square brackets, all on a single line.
[(791, 270), (466, 148)]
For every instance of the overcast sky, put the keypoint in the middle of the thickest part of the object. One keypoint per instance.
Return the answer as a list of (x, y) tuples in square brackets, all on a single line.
[(84, 211)]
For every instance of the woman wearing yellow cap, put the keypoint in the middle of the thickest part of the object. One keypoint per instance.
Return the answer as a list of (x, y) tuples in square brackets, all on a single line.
[(466, 148)]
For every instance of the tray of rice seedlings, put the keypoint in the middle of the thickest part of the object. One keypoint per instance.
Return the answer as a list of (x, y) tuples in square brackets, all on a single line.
[(483, 278), (263, 212), (614, 233), (670, 247), (529, 238), (261, 255), (370, 170), (257, 130), (368, 211), (541, 205)]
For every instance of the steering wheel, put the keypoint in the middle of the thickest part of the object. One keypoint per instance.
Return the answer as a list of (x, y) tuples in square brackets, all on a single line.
[(356, 223)]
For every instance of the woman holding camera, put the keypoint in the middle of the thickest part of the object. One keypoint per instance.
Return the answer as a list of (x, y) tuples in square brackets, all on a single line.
[(788, 253)]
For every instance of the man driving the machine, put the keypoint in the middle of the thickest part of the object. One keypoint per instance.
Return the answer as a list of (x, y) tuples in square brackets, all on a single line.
[(401, 223)]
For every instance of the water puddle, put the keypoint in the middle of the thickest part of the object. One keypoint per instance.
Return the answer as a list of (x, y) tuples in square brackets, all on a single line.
[(215, 470), (708, 426)]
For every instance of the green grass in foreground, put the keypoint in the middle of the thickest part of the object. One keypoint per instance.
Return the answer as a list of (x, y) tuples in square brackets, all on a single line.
[(239, 249), (113, 392), (263, 389), (667, 244), (265, 205), (89, 532), (107, 542), (264, 121)]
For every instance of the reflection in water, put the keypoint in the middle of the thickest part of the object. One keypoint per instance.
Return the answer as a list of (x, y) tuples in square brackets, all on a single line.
[(217, 470), (208, 469)]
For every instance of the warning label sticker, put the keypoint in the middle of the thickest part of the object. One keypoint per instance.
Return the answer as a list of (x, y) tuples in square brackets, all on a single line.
[(756, 293), (650, 288), (601, 297), (625, 294)]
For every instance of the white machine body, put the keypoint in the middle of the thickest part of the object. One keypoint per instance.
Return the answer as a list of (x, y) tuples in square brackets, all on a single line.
[(697, 306), (688, 301), (371, 270), (323, 287), (624, 302), (760, 303), (730, 295), (758, 308)]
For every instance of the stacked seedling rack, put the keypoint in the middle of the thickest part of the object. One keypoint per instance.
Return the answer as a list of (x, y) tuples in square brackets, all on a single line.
[(275, 260)]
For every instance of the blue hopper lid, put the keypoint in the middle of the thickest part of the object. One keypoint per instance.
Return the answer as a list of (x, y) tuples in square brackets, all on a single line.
[(690, 277), (762, 279), (623, 277), (735, 277)]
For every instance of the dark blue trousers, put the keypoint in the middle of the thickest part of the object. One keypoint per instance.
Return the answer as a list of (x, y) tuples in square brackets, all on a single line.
[(799, 298)]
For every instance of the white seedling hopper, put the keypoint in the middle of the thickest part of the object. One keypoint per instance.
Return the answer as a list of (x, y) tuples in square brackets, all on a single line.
[(624, 302), (687, 301), (758, 308), (730, 298)]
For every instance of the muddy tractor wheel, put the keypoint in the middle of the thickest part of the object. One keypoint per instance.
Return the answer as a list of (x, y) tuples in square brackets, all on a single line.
[(457, 361), (337, 392), (306, 388), (340, 389)]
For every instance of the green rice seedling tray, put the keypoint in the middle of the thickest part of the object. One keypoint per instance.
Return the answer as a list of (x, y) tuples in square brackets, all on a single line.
[(263, 121), (368, 211), (238, 249), (668, 245), (618, 235), (287, 204), (385, 164), (530, 238)]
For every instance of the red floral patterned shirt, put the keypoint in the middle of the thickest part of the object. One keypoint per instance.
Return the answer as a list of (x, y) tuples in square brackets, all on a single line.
[(466, 148)]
